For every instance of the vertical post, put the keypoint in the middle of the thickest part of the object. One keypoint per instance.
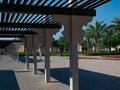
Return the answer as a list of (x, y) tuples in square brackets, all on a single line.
[(27, 54), (34, 57), (73, 34), (27, 59), (74, 79), (17, 51), (17, 55), (47, 64), (47, 57)]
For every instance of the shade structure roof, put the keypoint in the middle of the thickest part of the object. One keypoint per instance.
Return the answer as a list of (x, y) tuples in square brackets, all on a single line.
[(18, 17), (5, 43)]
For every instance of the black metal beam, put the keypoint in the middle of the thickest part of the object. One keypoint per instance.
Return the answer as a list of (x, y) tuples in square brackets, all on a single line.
[(17, 32), (46, 10), (11, 36), (7, 41), (3, 45), (29, 25)]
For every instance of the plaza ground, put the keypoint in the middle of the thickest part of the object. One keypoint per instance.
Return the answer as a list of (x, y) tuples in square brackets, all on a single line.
[(94, 74)]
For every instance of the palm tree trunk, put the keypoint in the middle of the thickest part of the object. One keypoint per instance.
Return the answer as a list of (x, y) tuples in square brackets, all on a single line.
[(96, 45), (110, 48), (88, 45)]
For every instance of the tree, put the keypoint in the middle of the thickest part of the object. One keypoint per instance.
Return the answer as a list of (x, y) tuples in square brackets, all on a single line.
[(95, 32), (61, 44), (109, 42), (84, 45), (116, 23), (87, 44), (108, 37), (87, 39)]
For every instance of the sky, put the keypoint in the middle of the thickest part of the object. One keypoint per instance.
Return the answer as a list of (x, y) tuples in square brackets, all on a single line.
[(104, 13), (107, 11)]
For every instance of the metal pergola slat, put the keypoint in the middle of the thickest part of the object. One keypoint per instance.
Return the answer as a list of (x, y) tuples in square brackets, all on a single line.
[(18, 17), (46, 10)]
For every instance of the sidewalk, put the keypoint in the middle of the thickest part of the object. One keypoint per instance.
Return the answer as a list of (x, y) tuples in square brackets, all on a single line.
[(93, 75), (25, 80)]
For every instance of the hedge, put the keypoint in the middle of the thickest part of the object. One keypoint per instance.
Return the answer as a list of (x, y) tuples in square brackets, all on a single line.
[(51, 54), (23, 53), (101, 53), (85, 53), (58, 54)]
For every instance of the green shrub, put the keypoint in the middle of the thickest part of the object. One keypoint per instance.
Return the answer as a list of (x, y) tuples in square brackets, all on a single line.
[(54, 54), (101, 53), (23, 53), (58, 54)]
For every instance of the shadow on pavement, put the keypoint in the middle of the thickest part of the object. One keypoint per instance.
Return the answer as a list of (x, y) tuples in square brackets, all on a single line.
[(8, 80), (22, 59), (21, 71), (88, 80)]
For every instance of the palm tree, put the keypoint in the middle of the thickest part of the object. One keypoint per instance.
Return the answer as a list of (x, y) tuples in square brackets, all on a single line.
[(108, 35), (96, 32), (87, 38), (116, 23)]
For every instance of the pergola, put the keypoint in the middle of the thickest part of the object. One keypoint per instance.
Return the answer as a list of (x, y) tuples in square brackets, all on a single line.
[(38, 20)]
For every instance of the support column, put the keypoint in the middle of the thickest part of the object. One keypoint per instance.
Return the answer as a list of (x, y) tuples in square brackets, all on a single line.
[(17, 52), (47, 64), (74, 75), (28, 46), (44, 36), (27, 60), (34, 57), (17, 55), (73, 34), (47, 57), (27, 54)]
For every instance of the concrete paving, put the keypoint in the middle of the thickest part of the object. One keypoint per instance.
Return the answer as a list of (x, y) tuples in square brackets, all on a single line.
[(93, 74)]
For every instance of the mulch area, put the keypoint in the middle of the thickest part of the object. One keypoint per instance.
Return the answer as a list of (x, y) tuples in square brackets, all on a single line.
[(87, 57), (111, 57), (105, 57)]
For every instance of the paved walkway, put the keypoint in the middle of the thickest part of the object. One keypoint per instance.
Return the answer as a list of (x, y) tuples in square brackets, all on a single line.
[(94, 75)]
